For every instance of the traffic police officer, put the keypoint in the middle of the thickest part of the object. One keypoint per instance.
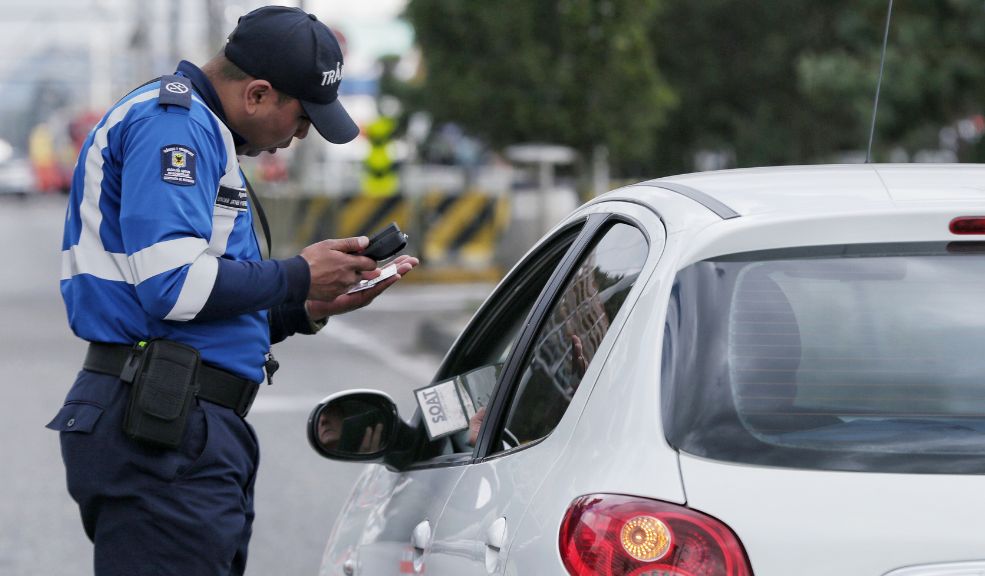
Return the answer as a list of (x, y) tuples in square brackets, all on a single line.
[(162, 274)]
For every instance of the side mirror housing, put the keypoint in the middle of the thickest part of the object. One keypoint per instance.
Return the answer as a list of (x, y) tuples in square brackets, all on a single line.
[(354, 426)]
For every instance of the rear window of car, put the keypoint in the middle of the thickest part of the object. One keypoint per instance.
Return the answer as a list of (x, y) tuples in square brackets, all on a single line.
[(861, 357)]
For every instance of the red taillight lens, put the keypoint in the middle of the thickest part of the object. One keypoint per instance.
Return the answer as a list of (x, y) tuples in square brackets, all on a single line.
[(968, 225), (611, 535)]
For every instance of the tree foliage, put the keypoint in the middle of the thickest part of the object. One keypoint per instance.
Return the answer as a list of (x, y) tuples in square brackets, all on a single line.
[(574, 72), (793, 81), (772, 81)]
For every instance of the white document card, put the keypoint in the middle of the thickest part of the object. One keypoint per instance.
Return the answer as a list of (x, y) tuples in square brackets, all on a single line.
[(442, 409)]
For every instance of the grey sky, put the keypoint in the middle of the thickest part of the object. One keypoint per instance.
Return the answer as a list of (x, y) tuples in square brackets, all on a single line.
[(105, 27)]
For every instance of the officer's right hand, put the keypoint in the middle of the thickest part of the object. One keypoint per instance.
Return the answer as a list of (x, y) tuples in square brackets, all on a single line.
[(335, 266)]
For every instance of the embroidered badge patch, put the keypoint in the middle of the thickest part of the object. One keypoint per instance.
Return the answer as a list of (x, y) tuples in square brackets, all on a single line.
[(178, 165)]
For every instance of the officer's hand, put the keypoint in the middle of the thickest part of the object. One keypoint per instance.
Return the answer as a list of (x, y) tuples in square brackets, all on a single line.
[(335, 266), (349, 302)]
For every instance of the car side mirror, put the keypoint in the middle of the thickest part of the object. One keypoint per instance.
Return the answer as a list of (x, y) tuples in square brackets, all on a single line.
[(354, 425)]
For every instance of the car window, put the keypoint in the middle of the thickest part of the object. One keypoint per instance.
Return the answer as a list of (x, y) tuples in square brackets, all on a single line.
[(476, 363), (842, 358), (571, 334)]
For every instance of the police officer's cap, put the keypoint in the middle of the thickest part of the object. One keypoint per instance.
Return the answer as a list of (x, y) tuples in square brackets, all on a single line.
[(300, 57)]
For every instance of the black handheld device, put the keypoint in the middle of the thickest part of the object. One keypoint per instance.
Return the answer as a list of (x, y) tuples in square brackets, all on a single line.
[(386, 243)]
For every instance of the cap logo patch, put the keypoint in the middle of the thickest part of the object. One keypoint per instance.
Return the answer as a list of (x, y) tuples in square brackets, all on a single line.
[(178, 165), (176, 87), (332, 76)]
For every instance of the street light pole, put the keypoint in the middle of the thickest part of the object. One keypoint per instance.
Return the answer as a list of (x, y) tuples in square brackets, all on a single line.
[(100, 90), (215, 17), (173, 16)]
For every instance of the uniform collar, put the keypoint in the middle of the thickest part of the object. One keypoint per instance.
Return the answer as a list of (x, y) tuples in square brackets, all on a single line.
[(204, 89)]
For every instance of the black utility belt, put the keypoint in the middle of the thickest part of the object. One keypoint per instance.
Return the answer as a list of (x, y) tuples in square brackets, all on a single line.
[(208, 383)]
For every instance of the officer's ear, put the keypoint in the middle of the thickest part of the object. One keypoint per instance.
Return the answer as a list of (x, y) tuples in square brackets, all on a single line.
[(258, 93)]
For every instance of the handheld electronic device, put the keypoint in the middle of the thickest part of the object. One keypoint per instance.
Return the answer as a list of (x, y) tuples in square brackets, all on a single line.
[(386, 243)]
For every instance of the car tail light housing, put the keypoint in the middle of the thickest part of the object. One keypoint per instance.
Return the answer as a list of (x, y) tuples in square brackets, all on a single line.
[(613, 535), (968, 225)]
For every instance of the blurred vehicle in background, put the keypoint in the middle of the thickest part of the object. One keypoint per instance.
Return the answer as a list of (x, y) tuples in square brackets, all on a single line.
[(53, 147), (17, 177), (16, 173)]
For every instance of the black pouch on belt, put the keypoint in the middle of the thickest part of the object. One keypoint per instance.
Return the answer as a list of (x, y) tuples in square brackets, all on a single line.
[(164, 382)]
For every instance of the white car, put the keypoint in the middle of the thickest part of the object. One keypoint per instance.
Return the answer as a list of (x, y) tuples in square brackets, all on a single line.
[(777, 372), (17, 177)]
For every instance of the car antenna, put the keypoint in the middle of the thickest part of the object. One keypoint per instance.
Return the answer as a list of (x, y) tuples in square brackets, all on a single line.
[(882, 64)]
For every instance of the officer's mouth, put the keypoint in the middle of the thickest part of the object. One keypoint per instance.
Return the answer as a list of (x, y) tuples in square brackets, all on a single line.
[(255, 153), (274, 149)]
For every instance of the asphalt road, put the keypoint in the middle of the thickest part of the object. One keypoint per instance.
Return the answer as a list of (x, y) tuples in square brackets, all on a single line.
[(298, 492)]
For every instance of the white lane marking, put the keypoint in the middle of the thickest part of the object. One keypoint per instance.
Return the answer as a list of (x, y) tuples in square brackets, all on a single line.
[(271, 404), (416, 369), (432, 298), (420, 298)]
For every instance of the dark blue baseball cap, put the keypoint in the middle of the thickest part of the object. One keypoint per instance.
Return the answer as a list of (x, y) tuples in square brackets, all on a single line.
[(300, 57)]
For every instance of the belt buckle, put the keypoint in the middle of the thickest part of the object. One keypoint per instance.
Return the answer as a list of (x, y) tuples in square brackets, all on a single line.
[(246, 400)]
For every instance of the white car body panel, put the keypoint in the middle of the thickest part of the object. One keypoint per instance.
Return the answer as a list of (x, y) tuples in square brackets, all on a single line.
[(791, 522), (646, 467), (373, 531), (846, 523), (502, 486)]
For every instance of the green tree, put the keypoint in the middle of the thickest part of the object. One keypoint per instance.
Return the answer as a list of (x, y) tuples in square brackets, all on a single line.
[(773, 82), (933, 71), (734, 66), (793, 81), (573, 72)]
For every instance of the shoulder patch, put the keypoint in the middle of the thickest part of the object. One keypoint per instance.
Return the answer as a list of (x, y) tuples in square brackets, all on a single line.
[(178, 165), (175, 91)]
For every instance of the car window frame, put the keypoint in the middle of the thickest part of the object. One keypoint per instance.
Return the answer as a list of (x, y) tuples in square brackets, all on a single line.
[(589, 228), (498, 407), (485, 318)]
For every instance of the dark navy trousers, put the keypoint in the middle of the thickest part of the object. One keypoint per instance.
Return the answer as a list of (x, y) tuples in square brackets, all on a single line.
[(153, 511)]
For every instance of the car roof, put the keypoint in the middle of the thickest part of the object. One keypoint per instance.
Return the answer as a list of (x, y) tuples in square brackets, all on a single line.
[(797, 190)]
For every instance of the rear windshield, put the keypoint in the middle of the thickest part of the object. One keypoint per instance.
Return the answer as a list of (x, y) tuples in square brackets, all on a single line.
[(838, 358)]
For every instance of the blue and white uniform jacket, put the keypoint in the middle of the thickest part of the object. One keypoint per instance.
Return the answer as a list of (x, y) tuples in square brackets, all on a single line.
[(159, 239)]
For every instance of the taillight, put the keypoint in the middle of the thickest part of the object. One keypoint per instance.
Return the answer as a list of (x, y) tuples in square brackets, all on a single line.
[(612, 535), (968, 225)]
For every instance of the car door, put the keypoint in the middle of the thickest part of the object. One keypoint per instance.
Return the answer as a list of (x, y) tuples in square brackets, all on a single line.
[(389, 520), (543, 387)]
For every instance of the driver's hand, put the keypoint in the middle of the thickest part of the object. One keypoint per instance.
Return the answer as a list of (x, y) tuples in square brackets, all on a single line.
[(475, 423), (371, 439)]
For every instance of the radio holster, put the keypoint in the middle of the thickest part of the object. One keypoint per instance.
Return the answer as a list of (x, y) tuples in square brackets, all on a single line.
[(163, 378)]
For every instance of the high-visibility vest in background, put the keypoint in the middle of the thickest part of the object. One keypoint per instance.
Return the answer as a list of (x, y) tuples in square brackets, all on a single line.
[(380, 179)]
